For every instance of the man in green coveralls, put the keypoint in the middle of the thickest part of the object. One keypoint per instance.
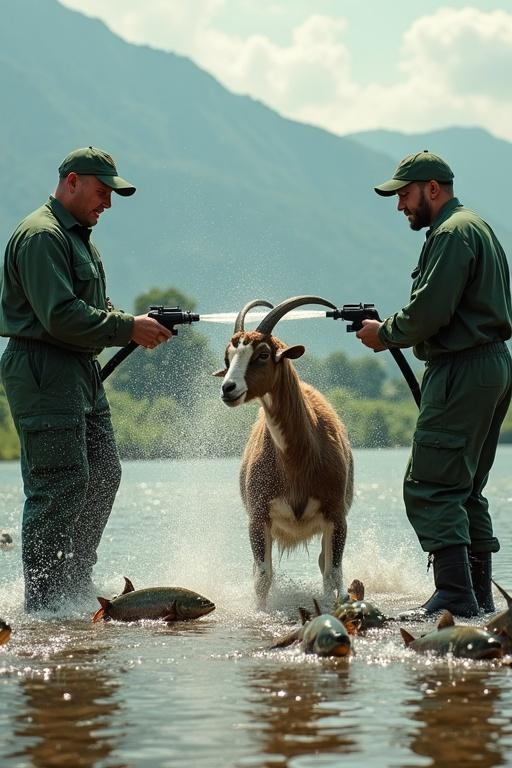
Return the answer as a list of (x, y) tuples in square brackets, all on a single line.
[(54, 308), (458, 318)]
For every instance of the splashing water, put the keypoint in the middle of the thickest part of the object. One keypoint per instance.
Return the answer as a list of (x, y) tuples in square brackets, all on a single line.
[(253, 317)]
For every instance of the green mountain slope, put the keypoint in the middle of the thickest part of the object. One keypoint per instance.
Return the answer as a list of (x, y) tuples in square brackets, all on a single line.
[(233, 201)]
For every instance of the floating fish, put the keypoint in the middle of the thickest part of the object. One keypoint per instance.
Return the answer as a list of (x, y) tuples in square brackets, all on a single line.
[(323, 635), (357, 613), (5, 632), (501, 624), (459, 640), (5, 539), (167, 603)]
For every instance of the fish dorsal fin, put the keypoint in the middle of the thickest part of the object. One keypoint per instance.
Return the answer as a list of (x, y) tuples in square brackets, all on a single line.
[(445, 620), (318, 610), (305, 616), (505, 594), (406, 636), (128, 586), (356, 590)]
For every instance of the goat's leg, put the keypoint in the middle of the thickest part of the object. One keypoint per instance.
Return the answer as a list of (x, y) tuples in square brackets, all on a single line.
[(261, 545), (333, 544)]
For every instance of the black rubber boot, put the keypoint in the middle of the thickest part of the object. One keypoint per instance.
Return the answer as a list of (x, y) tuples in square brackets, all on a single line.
[(481, 574), (454, 587)]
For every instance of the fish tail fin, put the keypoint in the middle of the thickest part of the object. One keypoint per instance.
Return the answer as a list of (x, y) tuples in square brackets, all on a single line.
[(284, 642), (406, 636), (102, 612), (502, 592)]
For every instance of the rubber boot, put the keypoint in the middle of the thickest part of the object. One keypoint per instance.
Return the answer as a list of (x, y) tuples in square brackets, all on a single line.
[(481, 574), (454, 587)]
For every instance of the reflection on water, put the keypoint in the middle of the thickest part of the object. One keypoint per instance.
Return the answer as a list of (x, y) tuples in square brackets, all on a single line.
[(210, 694), (66, 714), (299, 708), (461, 718)]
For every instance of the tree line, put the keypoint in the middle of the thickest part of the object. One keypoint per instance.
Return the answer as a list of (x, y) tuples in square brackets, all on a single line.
[(165, 402)]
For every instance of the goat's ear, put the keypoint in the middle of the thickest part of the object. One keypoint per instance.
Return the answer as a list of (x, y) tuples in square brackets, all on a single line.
[(292, 353), (220, 374)]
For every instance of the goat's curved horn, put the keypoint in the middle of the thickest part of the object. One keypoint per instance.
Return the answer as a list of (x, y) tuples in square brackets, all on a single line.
[(272, 318), (239, 322)]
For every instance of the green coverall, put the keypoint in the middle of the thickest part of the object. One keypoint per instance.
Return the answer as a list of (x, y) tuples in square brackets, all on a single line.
[(457, 320), (54, 308)]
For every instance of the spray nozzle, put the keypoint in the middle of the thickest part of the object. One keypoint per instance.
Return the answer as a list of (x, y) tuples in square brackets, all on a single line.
[(354, 314), (171, 316)]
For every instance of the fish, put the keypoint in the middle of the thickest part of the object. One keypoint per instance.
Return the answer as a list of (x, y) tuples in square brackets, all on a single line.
[(459, 640), (356, 613), (5, 632), (5, 539), (167, 603), (501, 624), (323, 635)]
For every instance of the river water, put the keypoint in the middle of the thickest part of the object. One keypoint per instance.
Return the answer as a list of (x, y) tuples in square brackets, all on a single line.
[(209, 693)]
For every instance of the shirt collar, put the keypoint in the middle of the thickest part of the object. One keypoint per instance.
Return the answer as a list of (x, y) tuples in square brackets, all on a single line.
[(444, 213), (67, 219)]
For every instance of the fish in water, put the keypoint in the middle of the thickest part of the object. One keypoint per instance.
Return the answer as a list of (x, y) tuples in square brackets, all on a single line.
[(5, 632), (167, 603), (323, 635), (459, 640), (5, 539), (501, 624), (357, 613)]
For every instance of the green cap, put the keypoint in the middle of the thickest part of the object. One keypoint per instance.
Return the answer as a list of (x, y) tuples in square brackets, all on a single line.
[(423, 166), (90, 161)]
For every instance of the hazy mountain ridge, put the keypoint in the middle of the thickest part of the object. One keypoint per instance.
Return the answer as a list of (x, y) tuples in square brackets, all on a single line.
[(233, 200)]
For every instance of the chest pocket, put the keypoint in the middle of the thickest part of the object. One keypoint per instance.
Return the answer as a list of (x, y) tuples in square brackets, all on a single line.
[(85, 269)]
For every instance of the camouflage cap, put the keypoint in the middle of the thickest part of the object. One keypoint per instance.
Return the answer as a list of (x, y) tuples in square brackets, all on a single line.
[(423, 166), (90, 161)]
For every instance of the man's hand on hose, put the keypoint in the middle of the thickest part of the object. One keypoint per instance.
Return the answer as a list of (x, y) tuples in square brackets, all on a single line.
[(368, 334), (148, 332)]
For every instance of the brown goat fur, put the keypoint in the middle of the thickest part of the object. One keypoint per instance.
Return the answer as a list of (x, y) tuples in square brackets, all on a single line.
[(296, 477)]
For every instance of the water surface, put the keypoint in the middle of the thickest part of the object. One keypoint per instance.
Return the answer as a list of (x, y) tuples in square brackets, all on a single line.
[(209, 693)]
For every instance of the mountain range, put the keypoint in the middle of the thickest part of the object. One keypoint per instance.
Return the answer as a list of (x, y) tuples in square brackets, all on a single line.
[(233, 200)]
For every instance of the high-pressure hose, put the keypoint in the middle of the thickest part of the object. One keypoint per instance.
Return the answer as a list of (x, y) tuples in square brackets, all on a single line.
[(166, 316), (354, 314)]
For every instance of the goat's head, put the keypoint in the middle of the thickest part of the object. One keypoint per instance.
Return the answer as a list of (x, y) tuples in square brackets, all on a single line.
[(254, 359)]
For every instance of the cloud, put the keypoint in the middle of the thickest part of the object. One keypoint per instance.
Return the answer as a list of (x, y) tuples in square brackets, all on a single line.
[(309, 70), (455, 65), (455, 68), (468, 50)]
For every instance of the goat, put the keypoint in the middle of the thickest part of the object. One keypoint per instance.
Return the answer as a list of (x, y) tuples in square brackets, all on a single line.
[(296, 477)]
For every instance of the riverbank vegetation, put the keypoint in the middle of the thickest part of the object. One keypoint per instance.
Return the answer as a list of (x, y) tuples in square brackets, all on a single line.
[(165, 402)]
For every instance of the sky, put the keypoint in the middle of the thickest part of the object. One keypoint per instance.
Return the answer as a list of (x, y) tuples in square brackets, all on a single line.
[(343, 65)]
